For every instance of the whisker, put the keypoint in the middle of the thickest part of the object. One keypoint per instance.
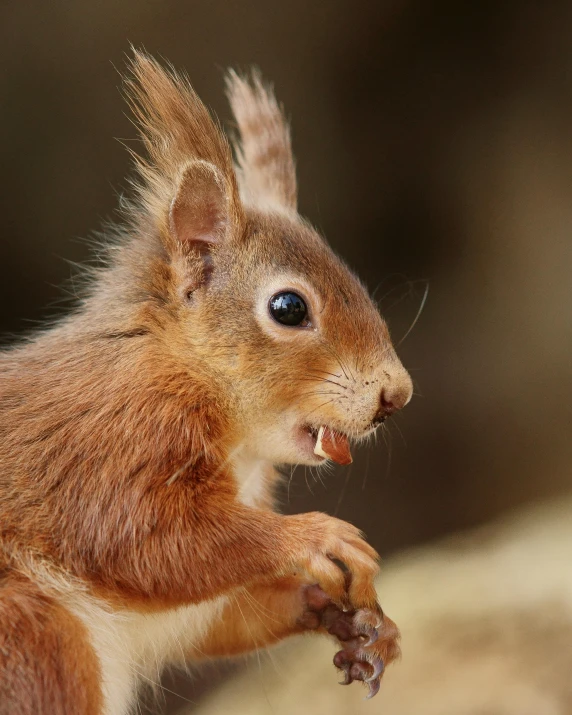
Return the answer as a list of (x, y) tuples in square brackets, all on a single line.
[(389, 447), (324, 372), (336, 357), (399, 300), (343, 490), (323, 392), (348, 367), (366, 471), (383, 280), (421, 306), (162, 687), (317, 477), (261, 610), (342, 363), (406, 282), (290, 482), (306, 480), (329, 402), (323, 379), (400, 432)]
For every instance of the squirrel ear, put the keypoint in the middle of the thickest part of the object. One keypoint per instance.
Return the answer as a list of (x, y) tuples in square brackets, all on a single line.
[(189, 158), (199, 213)]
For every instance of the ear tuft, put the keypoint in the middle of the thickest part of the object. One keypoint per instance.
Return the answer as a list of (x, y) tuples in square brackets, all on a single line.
[(178, 131), (266, 171)]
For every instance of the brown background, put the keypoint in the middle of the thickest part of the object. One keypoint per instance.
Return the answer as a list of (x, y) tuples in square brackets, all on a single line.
[(434, 144)]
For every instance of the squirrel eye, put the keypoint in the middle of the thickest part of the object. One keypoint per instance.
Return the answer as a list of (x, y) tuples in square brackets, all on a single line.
[(289, 309)]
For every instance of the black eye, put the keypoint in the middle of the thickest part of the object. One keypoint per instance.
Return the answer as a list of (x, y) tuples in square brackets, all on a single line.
[(289, 309)]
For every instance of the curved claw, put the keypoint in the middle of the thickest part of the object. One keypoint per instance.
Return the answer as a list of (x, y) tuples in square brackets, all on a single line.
[(373, 689), (343, 663), (347, 676), (378, 668), (371, 633)]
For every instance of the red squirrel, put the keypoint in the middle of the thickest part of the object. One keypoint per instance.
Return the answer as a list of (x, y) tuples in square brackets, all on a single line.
[(138, 436)]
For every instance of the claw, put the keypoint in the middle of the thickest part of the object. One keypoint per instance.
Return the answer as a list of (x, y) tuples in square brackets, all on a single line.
[(358, 671), (378, 668), (347, 677), (372, 634), (355, 630), (342, 662), (373, 689)]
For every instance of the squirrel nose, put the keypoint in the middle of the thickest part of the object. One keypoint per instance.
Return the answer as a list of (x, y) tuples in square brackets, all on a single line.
[(392, 398)]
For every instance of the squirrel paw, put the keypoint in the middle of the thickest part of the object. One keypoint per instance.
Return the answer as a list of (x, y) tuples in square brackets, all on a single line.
[(363, 658), (369, 638), (335, 554)]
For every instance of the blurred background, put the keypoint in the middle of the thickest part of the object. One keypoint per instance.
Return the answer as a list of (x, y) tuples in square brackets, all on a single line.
[(434, 147)]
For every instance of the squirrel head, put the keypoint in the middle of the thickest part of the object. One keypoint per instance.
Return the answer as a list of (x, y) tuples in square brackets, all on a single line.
[(240, 292)]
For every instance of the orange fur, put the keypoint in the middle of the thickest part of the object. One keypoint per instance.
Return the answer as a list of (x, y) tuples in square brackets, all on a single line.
[(46, 662), (132, 433), (267, 613)]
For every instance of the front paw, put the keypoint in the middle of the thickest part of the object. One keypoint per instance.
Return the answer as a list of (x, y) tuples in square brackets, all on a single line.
[(363, 658), (335, 554), (369, 639)]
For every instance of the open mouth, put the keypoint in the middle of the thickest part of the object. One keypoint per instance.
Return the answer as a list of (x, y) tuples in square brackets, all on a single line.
[(328, 443)]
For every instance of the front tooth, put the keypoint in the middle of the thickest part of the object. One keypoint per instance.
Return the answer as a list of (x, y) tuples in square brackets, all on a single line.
[(318, 449), (333, 445)]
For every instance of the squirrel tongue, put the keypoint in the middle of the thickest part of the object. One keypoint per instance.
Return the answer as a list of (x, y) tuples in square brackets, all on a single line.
[(333, 445)]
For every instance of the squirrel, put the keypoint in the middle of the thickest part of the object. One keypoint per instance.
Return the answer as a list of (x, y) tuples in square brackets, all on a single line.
[(138, 436)]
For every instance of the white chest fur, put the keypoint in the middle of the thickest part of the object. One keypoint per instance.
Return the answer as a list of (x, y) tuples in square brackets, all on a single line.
[(254, 478), (133, 648)]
